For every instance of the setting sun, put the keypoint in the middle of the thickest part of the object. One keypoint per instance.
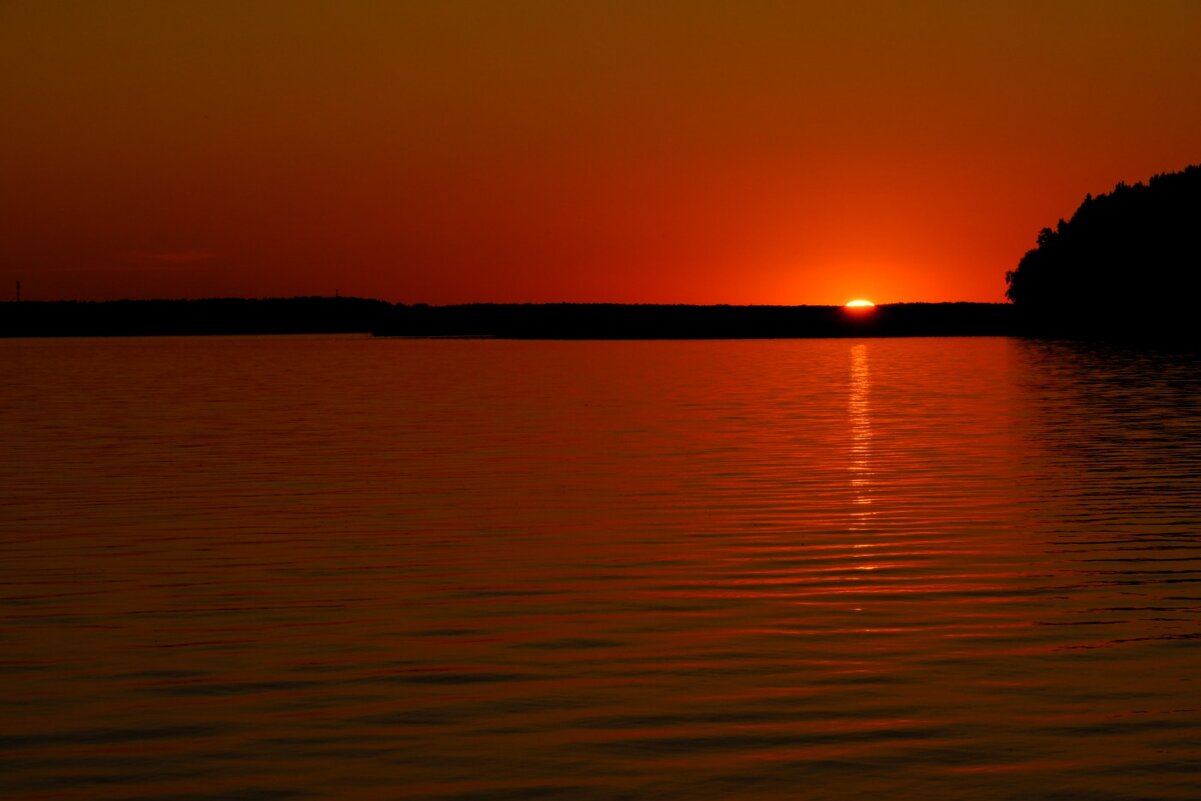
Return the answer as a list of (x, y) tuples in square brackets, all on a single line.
[(860, 304)]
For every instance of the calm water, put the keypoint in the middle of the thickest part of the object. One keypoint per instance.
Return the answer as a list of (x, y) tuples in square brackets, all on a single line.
[(338, 567)]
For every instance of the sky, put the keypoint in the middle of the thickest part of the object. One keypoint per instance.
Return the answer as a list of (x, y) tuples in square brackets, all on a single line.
[(512, 151)]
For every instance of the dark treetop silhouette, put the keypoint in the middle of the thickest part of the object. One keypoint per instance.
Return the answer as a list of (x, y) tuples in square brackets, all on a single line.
[(1125, 266)]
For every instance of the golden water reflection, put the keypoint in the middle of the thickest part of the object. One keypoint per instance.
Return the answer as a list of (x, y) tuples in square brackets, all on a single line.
[(859, 426)]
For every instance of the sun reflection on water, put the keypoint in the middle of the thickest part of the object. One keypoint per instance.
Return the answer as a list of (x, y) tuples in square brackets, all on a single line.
[(860, 429)]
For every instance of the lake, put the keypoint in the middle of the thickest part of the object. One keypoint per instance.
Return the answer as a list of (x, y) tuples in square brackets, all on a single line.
[(353, 568)]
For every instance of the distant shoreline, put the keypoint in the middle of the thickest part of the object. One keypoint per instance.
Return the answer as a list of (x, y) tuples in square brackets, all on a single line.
[(321, 315), (650, 321)]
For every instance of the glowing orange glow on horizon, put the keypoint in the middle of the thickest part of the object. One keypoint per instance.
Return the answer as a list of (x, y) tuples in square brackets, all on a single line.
[(457, 152), (859, 303)]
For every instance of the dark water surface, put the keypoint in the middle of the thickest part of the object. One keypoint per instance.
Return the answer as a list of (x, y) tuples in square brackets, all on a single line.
[(338, 567)]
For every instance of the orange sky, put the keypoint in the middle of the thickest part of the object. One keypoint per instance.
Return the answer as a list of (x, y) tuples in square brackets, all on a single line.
[(447, 151)]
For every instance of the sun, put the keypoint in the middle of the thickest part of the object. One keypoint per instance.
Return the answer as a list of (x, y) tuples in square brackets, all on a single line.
[(860, 303)]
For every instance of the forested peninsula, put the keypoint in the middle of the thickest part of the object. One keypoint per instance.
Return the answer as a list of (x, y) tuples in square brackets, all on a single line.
[(1124, 267)]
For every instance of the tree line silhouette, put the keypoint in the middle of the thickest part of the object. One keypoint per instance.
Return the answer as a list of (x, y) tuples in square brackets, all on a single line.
[(303, 315), (660, 321), (508, 320), (1125, 266)]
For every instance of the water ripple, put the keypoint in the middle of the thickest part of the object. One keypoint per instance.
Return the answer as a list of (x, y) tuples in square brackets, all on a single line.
[(335, 567)]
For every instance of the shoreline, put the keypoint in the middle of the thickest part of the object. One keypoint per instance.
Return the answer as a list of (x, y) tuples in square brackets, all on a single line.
[(567, 321)]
